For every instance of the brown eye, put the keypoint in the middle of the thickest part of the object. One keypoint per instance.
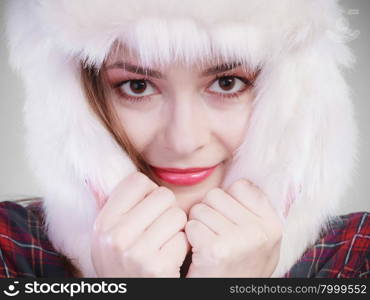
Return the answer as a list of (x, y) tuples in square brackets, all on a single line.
[(138, 86), (226, 83)]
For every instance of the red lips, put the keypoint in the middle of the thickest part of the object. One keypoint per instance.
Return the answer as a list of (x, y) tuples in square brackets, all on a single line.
[(187, 176)]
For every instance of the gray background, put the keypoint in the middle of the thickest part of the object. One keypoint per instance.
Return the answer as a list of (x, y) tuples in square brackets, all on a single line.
[(16, 180)]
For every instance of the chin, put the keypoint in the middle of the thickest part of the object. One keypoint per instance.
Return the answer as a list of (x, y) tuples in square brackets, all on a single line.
[(189, 195), (186, 202)]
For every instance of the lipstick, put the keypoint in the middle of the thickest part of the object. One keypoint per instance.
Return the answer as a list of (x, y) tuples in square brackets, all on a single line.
[(188, 176)]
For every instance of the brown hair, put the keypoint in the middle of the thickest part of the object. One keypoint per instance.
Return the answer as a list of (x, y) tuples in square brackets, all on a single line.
[(96, 90)]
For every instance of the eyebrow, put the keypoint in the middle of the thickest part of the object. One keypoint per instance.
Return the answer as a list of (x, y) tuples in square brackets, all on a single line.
[(153, 73), (135, 69), (220, 68)]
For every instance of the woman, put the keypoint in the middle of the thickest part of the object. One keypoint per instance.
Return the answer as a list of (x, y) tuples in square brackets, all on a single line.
[(236, 117)]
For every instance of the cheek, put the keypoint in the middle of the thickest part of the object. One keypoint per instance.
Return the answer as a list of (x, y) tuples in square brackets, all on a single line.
[(140, 129), (231, 125)]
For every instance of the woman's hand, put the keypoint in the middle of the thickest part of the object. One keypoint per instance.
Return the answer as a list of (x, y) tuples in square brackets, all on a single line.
[(234, 234), (138, 232)]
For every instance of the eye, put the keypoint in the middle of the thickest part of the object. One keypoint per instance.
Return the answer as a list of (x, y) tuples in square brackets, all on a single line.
[(137, 88), (227, 85)]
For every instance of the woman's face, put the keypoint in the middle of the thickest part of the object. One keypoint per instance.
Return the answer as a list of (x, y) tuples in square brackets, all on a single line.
[(183, 118)]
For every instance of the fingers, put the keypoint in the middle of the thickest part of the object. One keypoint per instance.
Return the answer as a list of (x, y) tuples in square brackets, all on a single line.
[(250, 197), (175, 249), (199, 235), (210, 217), (145, 212), (125, 196), (130, 226), (130, 191), (223, 203), (164, 227)]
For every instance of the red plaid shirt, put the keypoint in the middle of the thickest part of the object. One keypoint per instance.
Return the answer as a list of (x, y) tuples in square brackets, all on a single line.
[(25, 251)]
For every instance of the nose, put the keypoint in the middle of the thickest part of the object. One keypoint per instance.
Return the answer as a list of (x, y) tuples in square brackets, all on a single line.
[(187, 129)]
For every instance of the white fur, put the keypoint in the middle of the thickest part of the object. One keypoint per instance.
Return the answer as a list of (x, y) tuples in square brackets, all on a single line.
[(302, 138)]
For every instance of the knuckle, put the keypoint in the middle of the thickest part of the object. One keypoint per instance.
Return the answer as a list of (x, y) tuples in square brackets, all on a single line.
[(165, 193), (196, 210), (189, 226), (181, 238), (130, 257), (178, 214), (218, 253), (127, 255), (240, 184), (118, 239), (115, 241), (135, 255), (243, 186)]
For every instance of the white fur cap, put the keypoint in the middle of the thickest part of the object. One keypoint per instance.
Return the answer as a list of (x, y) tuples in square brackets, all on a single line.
[(301, 143)]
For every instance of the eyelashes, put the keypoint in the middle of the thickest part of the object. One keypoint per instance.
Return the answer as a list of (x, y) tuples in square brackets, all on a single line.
[(222, 87), (136, 90), (229, 86)]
